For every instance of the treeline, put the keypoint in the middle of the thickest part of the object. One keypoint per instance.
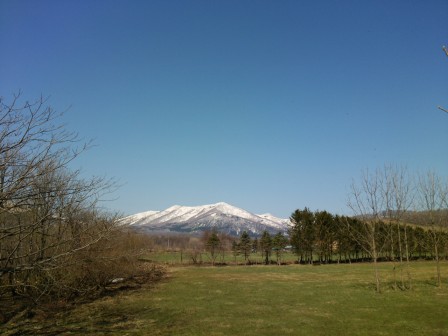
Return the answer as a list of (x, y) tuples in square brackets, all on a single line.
[(55, 242), (215, 247), (393, 195), (267, 245), (314, 237), (324, 238)]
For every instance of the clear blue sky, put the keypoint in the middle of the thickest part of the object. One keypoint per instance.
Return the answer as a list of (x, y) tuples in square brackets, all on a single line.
[(267, 105)]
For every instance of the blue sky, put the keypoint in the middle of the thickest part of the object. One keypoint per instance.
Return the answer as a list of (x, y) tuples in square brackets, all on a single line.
[(267, 105)]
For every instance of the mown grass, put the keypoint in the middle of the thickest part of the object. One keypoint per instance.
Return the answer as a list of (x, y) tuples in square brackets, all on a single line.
[(263, 300)]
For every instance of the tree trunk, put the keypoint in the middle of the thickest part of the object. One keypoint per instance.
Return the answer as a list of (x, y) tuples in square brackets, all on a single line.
[(375, 264), (393, 258), (436, 252), (408, 264)]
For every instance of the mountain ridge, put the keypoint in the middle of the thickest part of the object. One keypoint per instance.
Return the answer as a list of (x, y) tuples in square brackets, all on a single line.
[(193, 219)]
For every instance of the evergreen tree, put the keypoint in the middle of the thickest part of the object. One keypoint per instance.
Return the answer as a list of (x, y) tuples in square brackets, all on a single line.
[(255, 245), (266, 245), (324, 235), (213, 243), (235, 249), (279, 242), (245, 245), (302, 234)]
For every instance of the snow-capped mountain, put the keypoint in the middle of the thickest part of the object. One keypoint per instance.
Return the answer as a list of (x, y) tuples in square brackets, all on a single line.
[(221, 216)]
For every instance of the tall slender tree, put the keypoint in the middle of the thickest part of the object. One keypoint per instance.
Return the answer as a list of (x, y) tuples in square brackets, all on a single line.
[(324, 237), (235, 249), (279, 242), (302, 234), (245, 245), (433, 198), (397, 192), (266, 246), (213, 244), (366, 202)]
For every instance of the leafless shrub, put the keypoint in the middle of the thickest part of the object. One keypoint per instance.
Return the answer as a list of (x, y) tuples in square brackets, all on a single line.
[(54, 242)]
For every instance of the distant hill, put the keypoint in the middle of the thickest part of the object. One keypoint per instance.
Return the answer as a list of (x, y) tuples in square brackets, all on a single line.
[(220, 216), (425, 218)]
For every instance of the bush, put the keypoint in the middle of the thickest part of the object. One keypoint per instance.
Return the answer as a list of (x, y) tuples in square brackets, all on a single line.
[(54, 243)]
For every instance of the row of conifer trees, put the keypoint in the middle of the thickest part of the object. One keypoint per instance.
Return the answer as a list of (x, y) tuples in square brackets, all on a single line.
[(320, 237)]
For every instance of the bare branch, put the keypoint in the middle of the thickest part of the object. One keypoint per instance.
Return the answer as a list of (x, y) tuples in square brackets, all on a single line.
[(442, 109), (48, 214)]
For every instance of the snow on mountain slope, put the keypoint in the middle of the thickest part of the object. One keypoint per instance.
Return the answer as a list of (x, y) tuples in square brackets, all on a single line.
[(221, 216), (279, 221)]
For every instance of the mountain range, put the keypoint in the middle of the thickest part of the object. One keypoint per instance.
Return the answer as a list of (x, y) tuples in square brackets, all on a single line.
[(220, 216)]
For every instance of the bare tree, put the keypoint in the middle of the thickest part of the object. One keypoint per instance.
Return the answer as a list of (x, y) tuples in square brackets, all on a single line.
[(432, 199), (445, 50), (30, 136), (367, 202), (47, 212), (397, 190)]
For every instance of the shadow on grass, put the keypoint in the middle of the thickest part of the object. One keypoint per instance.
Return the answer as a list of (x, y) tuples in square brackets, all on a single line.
[(99, 314)]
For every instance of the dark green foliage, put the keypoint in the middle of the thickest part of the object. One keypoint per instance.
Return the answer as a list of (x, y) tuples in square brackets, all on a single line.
[(266, 245), (302, 234), (245, 245), (235, 248), (213, 244), (255, 245), (322, 237), (279, 243)]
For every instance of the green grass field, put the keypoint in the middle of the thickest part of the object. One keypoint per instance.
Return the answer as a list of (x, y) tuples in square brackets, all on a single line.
[(262, 300)]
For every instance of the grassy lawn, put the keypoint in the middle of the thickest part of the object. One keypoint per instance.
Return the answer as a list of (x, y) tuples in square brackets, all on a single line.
[(262, 300)]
